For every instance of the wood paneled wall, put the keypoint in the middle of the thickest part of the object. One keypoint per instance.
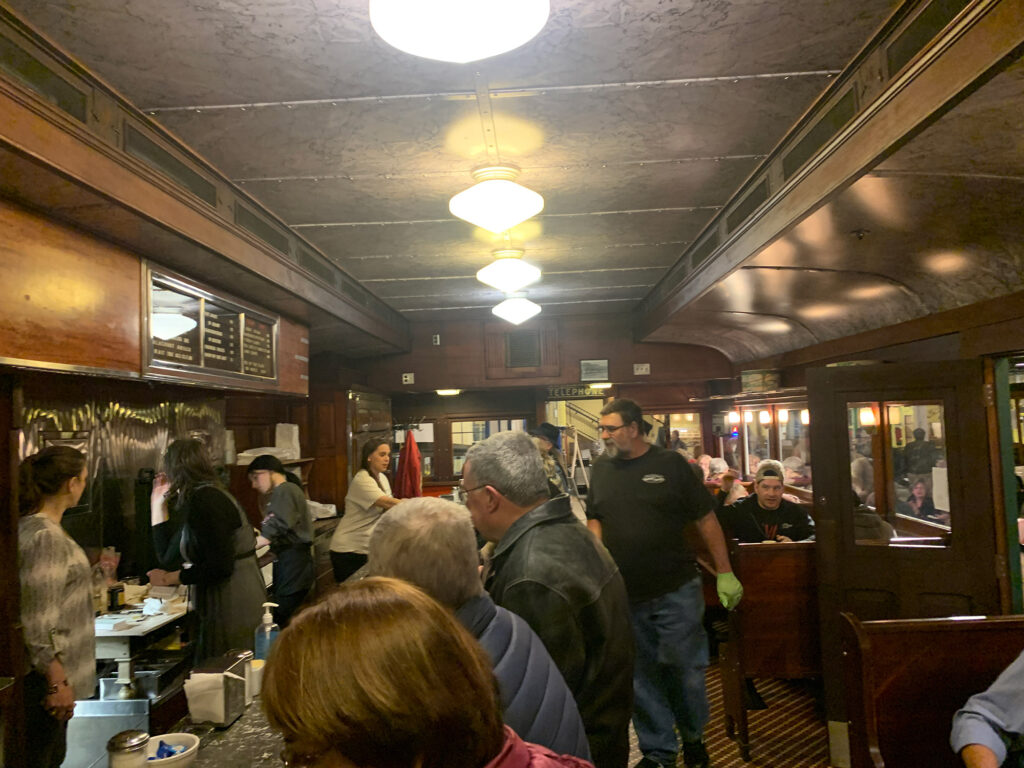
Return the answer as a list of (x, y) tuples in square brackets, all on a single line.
[(460, 360), (69, 299)]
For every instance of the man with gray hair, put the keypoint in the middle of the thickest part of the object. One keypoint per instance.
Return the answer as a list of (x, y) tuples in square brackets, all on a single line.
[(764, 515), (430, 543), (548, 568)]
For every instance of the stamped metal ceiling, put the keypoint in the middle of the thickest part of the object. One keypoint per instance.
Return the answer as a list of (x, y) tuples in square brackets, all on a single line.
[(635, 120)]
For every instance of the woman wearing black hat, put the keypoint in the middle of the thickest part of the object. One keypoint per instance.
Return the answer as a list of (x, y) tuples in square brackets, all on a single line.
[(289, 529)]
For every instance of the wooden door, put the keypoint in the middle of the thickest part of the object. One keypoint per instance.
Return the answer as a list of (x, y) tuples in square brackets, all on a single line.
[(913, 439)]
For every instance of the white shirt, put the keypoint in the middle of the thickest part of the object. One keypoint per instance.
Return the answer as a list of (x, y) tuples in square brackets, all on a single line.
[(353, 532)]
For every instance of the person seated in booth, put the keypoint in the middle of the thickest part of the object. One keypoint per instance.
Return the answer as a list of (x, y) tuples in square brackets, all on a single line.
[(704, 460), (380, 674), (730, 490), (797, 472), (988, 731), (411, 542), (716, 470), (765, 515), (920, 505), (868, 525)]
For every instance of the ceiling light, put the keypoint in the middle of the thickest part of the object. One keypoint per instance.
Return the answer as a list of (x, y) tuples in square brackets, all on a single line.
[(601, 385), (516, 309), (496, 202), (508, 273), (448, 392), (170, 325), (458, 30)]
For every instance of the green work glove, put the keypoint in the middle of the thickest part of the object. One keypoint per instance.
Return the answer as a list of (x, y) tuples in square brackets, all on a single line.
[(730, 591)]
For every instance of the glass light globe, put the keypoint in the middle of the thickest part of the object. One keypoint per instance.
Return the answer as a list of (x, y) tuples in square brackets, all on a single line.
[(496, 204), (508, 273), (458, 30), (166, 326), (516, 310)]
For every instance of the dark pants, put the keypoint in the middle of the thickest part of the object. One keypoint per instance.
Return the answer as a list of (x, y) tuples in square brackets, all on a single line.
[(45, 736), (346, 563), (287, 605)]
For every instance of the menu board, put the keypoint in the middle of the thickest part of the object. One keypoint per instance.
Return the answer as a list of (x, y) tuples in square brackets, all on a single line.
[(258, 348), (193, 330), (222, 343)]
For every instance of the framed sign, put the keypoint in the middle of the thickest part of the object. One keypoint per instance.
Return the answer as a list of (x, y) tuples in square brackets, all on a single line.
[(205, 336), (593, 370)]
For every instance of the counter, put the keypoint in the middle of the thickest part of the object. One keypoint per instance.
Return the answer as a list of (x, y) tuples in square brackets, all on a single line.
[(249, 741)]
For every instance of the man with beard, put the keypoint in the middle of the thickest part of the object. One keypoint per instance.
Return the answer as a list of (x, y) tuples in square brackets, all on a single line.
[(642, 499)]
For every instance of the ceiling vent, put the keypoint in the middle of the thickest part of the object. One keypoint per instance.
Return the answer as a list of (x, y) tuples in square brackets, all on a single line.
[(828, 126), (156, 157), (522, 349)]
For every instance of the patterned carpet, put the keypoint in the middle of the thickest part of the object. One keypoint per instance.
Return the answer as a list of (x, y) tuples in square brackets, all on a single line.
[(789, 734)]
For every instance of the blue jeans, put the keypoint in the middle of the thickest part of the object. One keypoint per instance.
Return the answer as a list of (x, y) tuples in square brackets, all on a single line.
[(668, 681)]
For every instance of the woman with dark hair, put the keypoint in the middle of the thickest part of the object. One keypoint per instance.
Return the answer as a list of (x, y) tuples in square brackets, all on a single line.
[(289, 529), (212, 549), (380, 674), (368, 497), (56, 601)]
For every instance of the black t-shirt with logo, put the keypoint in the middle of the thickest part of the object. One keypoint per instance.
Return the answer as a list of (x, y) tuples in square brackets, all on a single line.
[(644, 505)]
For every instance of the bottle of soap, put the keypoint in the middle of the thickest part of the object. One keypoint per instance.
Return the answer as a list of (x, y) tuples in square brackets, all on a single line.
[(266, 632)]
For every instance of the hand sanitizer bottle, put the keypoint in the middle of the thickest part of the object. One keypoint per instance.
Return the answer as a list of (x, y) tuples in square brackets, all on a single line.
[(266, 633)]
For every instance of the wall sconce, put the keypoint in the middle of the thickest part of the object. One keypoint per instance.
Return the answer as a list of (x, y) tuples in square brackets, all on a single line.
[(805, 417), (784, 416), (866, 416), (748, 417), (734, 417), (765, 417)]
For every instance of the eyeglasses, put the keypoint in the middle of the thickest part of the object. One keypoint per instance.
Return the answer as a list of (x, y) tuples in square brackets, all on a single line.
[(463, 493), (293, 759), (610, 430)]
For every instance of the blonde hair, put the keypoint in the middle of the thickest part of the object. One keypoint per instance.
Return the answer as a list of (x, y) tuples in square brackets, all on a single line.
[(381, 673)]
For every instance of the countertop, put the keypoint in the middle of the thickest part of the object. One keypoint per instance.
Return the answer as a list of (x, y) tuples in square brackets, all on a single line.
[(249, 741)]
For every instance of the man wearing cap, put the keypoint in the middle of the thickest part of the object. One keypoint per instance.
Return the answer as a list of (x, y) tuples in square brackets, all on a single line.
[(548, 435), (289, 529), (765, 515), (643, 499)]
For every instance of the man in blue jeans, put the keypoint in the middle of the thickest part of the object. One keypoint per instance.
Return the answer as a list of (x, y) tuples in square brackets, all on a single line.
[(642, 498)]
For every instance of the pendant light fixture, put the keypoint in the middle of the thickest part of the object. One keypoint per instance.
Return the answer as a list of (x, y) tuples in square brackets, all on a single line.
[(458, 31), (169, 325), (508, 272), (516, 309), (496, 202)]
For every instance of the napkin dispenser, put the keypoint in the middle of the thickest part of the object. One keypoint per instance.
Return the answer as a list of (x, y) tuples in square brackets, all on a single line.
[(216, 691)]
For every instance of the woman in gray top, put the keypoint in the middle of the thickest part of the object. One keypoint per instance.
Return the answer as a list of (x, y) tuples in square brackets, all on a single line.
[(56, 601), (289, 529)]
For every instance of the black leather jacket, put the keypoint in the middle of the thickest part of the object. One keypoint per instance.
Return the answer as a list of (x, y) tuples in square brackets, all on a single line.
[(549, 569)]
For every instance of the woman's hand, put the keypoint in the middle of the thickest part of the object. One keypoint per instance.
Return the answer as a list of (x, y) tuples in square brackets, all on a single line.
[(158, 499), (60, 705), (161, 578)]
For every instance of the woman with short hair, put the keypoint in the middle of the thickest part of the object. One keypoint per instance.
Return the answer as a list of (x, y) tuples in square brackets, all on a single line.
[(379, 674)]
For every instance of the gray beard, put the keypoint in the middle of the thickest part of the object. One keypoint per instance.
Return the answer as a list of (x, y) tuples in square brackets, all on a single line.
[(613, 451)]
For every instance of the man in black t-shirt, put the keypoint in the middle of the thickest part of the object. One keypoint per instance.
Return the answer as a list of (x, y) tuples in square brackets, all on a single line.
[(765, 515), (642, 498)]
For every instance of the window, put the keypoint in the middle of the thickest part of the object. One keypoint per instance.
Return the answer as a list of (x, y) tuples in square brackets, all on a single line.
[(898, 471), (685, 433), (794, 447), (465, 433)]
